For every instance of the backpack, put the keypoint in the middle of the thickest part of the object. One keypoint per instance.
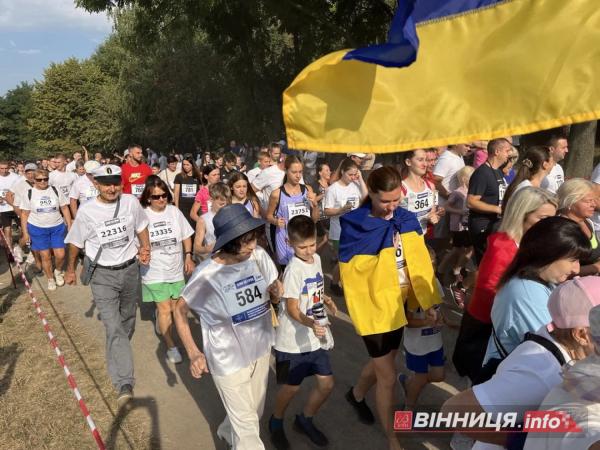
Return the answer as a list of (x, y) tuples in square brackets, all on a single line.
[(53, 188)]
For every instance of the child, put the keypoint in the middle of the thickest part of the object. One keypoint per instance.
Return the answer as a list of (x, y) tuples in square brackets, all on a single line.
[(241, 193), (424, 350), (461, 242), (204, 241), (298, 351)]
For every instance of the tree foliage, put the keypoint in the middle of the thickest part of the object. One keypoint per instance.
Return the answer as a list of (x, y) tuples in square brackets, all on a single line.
[(15, 108)]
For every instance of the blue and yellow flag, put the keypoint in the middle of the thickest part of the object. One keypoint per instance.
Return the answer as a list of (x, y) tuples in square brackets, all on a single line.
[(369, 274), (483, 69)]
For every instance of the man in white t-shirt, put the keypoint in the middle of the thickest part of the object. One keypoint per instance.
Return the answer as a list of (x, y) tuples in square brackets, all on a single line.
[(61, 178), (264, 161), (559, 147), (73, 164), (270, 178), (113, 230), (7, 182), (446, 167), (83, 190)]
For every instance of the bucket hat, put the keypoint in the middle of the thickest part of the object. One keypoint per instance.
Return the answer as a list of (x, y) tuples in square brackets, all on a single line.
[(231, 222)]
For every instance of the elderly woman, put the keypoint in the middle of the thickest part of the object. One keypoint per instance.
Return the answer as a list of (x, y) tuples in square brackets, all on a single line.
[(231, 293), (577, 201), (44, 226)]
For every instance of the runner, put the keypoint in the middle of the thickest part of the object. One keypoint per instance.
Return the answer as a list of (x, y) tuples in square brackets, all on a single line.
[(210, 175), (8, 180), (242, 193), (377, 240), (230, 293), (169, 173), (43, 225), (113, 229), (83, 190), (320, 187), (186, 185), (18, 191), (526, 208), (418, 195), (135, 171), (171, 243), (290, 200), (61, 178), (301, 342), (204, 240), (341, 197)]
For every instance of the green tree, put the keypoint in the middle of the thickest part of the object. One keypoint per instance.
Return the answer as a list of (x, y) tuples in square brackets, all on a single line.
[(15, 109), (72, 107)]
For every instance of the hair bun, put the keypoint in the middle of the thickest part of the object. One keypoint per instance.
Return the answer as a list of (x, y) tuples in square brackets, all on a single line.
[(527, 163)]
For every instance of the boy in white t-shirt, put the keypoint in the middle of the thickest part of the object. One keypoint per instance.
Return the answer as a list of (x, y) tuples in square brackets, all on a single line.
[(204, 241), (298, 351)]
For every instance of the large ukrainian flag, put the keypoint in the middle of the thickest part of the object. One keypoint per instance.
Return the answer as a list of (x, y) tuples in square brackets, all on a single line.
[(483, 69), (368, 269)]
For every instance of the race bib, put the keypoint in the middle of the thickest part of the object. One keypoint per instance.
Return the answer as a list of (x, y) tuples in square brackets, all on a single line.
[(559, 180), (65, 190), (298, 209), (246, 299), (162, 234), (46, 204), (137, 189), (314, 293), (501, 192), (400, 261), (89, 194), (352, 201), (420, 203), (113, 233), (3, 192), (436, 198), (188, 190)]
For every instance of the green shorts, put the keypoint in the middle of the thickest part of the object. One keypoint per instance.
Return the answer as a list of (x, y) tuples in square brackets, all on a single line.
[(159, 292)]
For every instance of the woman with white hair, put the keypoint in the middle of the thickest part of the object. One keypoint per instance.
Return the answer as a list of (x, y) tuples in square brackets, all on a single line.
[(577, 201)]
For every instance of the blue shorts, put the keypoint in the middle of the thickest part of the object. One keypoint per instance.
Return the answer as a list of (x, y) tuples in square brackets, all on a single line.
[(292, 368), (421, 363), (47, 238)]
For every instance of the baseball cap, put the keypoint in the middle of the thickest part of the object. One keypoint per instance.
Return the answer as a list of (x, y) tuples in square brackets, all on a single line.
[(570, 303), (359, 155), (30, 166), (107, 173), (90, 166)]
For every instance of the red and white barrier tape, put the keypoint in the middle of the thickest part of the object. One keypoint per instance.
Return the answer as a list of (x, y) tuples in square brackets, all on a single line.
[(61, 359)]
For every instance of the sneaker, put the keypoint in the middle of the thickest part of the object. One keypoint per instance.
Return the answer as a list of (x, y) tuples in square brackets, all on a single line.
[(459, 294), (362, 409), (18, 254), (306, 426), (51, 285), (59, 275), (278, 437), (174, 356), (336, 290), (224, 432), (125, 394)]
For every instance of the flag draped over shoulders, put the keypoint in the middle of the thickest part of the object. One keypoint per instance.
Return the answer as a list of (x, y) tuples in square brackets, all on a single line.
[(452, 71), (369, 274)]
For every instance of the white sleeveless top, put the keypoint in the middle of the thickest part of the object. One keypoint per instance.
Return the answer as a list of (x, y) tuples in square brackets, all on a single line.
[(421, 203)]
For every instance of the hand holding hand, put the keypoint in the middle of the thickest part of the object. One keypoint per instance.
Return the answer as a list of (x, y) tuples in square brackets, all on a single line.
[(198, 365)]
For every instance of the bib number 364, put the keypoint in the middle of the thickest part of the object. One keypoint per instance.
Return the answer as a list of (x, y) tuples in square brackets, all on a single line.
[(247, 295)]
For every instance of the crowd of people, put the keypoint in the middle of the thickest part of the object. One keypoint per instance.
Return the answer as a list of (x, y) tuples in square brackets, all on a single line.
[(237, 238)]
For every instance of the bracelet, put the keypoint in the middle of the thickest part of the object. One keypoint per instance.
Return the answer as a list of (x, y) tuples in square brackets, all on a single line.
[(188, 253)]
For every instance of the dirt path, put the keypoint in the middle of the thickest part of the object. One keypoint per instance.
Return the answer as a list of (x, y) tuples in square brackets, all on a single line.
[(171, 409)]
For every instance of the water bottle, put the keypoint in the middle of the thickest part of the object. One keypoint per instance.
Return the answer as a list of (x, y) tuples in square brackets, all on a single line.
[(320, 318)]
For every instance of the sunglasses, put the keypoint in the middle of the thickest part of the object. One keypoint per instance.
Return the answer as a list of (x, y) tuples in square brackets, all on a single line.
[(158, 196), (41, 180)]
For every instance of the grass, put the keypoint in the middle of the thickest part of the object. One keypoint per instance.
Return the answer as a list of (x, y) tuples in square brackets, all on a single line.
[(38, 408)]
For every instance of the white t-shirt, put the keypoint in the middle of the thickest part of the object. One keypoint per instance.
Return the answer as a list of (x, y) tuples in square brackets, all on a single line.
[(522, 184), (20, 190), (252, 174), (95, 226), (521, 381), (267, 181), (167, 230), (6, 184), (63, 181), (446, 167), (70, 167), (44, 207), (337, 196), (83, 190), (303, 282), (422, 340), (169, 177), (554, 179), (233, 305)]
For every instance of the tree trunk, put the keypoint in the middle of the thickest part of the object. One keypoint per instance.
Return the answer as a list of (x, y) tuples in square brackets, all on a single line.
[(580, 159)]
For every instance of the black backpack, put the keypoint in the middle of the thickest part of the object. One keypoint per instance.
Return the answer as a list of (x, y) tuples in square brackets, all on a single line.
[(53, 188)]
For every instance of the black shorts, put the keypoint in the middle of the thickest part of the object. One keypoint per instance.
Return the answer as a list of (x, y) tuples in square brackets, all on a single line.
[(461, 239), (382, 343), (292, 368), (6, 218)]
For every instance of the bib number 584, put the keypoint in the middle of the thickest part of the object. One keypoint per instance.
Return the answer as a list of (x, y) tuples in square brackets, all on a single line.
[(248, 295)]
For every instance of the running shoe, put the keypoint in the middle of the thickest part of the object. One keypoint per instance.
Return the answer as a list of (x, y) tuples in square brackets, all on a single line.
[(278, 437), (59, 275), (306, 426), (174, 356), (362, 409), (125, 394), (459, 294), (51, 285)]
